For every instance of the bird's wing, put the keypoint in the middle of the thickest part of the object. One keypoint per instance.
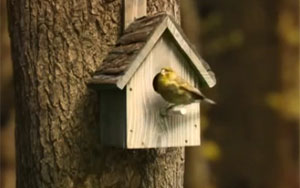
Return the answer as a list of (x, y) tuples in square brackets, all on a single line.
[(188, 87)]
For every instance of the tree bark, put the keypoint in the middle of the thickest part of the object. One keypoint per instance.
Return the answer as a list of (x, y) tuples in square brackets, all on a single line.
[(56, 46)]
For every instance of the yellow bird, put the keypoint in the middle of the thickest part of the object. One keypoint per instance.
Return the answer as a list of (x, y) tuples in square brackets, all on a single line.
[(176, 90)]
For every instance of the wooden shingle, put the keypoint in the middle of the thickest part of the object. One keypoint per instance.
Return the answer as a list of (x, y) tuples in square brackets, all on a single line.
[(135, 44)]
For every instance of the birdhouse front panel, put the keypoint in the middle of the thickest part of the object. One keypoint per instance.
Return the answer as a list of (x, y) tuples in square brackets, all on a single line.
[(146, 127)]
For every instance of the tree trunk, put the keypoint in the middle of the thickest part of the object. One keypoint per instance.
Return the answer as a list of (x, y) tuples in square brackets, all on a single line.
[(56, 46)]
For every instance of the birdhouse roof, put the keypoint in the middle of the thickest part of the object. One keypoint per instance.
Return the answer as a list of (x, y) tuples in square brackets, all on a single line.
[(135, 44)]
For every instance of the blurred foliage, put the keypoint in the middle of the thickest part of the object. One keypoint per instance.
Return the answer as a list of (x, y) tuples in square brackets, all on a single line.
[(287, 103), (210, 150), (250, 139), (6, 68), (288, 27), (221, 42), (7, 136)]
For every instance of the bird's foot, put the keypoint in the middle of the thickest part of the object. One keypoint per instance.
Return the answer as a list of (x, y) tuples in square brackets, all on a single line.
[(163, 112)]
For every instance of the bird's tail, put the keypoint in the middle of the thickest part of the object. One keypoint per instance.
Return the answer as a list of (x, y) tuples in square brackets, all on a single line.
[(209, 101)]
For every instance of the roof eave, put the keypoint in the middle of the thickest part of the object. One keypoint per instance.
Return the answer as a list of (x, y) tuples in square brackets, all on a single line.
[(121, 83), (168, 23), (191, 53)]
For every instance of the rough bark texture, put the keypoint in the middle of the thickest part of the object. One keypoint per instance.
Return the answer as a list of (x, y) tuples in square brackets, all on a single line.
[(132, 42), (56, 46), (129, 45)]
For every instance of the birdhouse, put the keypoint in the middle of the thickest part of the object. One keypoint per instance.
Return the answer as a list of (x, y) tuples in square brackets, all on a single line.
[(129, 107)]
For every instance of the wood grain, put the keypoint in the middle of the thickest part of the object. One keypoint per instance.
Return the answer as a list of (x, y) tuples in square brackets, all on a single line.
[(145, 127), (134, 9), (142, 54), (113, 117), (168, 24), (128, 46), (198, 62), (137, 42), (56, 46)]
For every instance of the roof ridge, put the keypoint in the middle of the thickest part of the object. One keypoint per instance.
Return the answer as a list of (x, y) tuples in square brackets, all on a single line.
[(135, 44)]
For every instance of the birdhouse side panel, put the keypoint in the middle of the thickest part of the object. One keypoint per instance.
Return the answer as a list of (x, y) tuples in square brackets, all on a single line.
[(113, 117), (146, 128)]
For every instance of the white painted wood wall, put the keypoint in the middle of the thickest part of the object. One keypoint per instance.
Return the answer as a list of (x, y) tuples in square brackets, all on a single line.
[(145, 127)]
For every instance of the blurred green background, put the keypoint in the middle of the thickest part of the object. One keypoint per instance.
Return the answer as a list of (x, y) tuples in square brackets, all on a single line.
[(251, 138)]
